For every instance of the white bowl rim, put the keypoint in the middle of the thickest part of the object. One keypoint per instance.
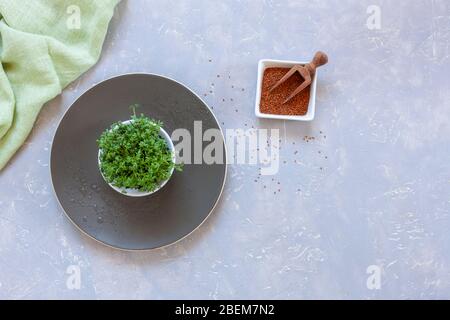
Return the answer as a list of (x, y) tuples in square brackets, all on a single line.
[(134, 192)]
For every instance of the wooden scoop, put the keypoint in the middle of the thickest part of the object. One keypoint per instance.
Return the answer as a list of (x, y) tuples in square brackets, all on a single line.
[(307, 72)]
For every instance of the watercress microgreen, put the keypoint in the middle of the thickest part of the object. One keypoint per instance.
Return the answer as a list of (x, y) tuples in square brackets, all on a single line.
[(134, 155)]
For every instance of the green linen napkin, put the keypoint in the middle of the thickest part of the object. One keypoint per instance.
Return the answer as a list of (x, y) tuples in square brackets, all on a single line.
[(44, 46)]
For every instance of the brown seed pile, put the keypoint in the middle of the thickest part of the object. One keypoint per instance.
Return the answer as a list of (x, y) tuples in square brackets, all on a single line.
[(272, 102)]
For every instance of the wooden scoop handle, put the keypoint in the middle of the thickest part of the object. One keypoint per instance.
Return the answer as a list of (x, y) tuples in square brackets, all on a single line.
[(320, 59)]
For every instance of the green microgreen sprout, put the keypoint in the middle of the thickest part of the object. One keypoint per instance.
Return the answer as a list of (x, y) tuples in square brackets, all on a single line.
[(134, 155)]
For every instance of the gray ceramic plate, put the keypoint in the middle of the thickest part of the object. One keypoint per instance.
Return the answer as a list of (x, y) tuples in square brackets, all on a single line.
[(115, 219)]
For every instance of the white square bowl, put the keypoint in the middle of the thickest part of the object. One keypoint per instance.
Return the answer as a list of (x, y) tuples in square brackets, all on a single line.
[(266, 63)]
